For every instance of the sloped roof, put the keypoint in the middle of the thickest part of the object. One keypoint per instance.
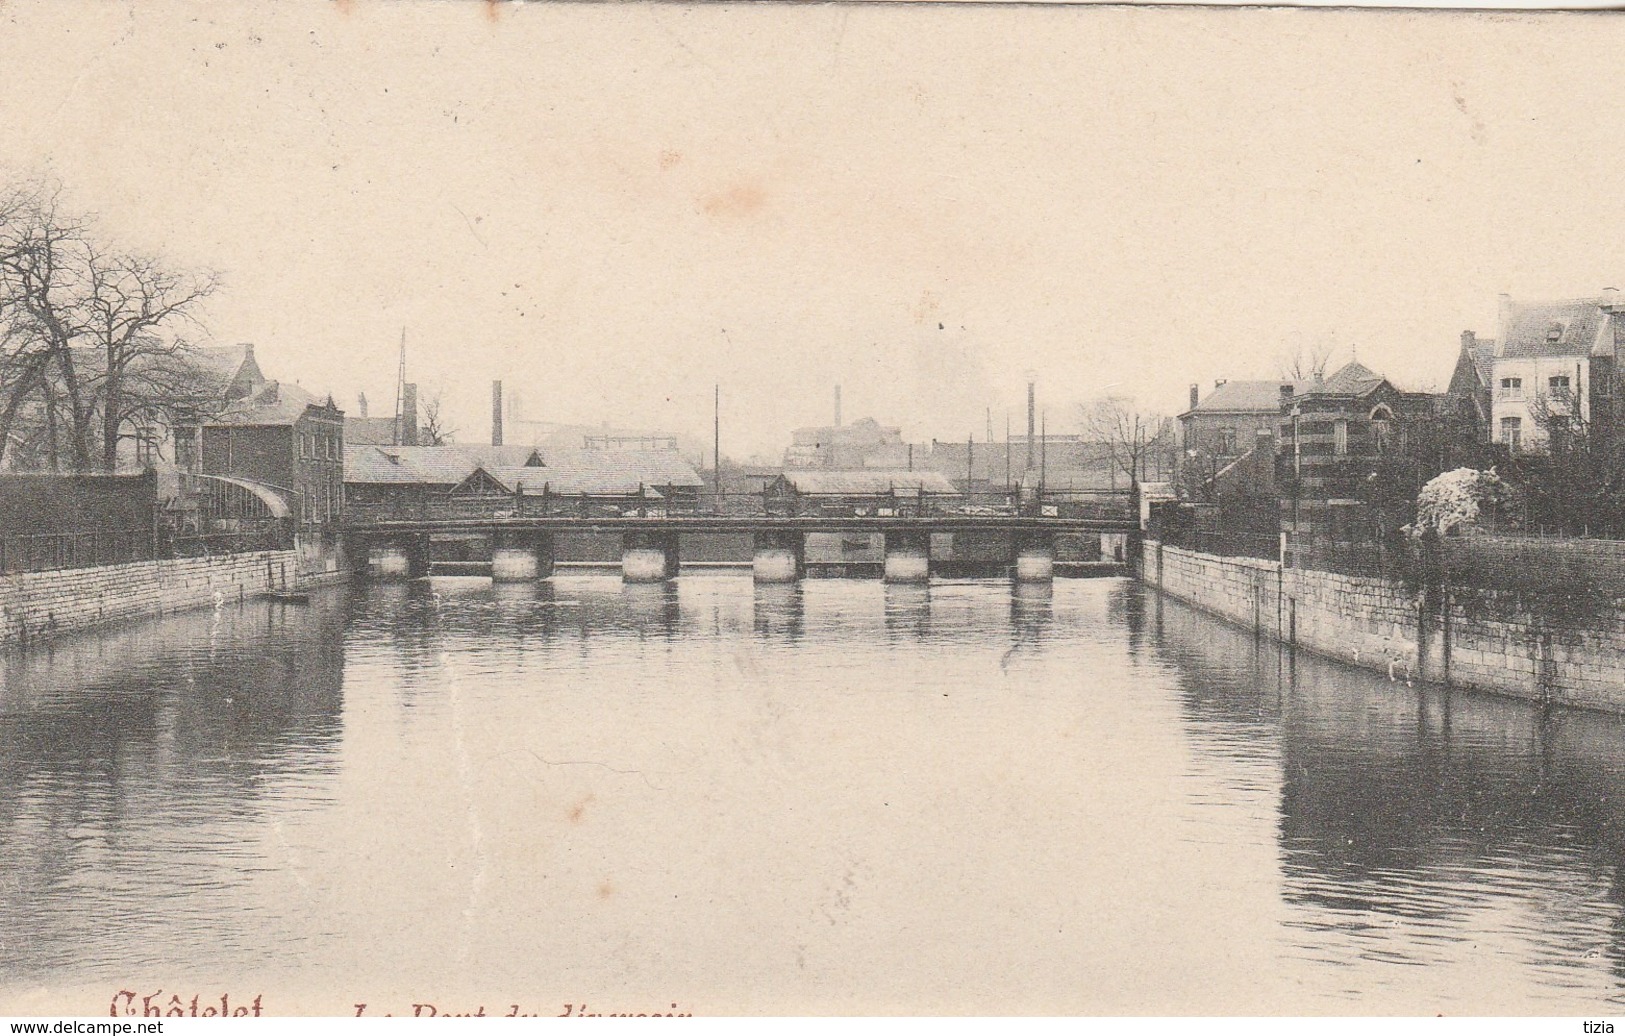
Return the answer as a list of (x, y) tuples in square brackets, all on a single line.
[(1570, 327), (1484, 360), (1352, 379), (1244, 397), (600, 473), (276, 403), (500, 456), (403, 465), (868, 482), (223, 366)]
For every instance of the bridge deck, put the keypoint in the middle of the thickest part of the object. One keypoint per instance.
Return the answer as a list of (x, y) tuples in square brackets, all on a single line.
[(726, 523)]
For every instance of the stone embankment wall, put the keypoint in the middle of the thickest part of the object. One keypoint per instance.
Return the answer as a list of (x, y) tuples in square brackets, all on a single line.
[(1499, 631), (42, 604)]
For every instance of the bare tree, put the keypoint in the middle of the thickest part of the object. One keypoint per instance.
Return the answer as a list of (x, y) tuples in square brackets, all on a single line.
[(1307, 360), (432, 428), (1560, 413), (90, 334), (1132, 436)]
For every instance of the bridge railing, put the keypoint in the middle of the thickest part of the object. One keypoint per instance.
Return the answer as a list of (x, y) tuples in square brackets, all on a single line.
[(1065, 504)]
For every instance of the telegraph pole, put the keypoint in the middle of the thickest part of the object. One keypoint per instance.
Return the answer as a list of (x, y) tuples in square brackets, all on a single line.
[(1043, 455), (1007, 453), (970, 464), (399, 431)]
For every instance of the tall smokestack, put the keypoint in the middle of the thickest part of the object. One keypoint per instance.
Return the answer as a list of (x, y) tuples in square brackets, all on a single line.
[(837, 406), (409, 414), (1032, 429), (361, 403), (496, 413)]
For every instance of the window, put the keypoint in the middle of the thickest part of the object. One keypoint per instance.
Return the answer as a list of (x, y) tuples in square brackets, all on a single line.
[(1381, 434), (1558, 383), (1512, 432), (1227, 441), (1340, 438), (1511, 388)]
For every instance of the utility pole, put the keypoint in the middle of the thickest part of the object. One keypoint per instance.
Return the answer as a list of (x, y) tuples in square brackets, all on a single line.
[(1043, 457), (1030, 399), (399, 430), (1007, 453), (716, 442), (970, 464)]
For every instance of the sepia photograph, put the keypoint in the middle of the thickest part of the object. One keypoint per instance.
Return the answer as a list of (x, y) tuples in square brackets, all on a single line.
[(810, 509)]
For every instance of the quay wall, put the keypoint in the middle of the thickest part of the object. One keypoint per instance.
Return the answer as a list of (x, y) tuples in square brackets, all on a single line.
[(34, 605), (1549, 645)]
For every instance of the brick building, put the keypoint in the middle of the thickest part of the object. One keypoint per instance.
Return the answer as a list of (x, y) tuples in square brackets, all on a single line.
[(270, 450), (1350, 448)]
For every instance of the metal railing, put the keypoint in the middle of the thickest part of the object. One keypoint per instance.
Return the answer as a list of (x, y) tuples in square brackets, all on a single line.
[(42, 552), (45, 552), (1088, 504)]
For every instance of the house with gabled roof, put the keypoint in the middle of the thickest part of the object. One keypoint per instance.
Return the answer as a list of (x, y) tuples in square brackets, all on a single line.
[(1553, 370), (1227, 424), (1469, 397)]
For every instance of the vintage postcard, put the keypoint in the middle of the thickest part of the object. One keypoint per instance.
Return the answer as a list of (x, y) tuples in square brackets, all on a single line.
[(810, 509)]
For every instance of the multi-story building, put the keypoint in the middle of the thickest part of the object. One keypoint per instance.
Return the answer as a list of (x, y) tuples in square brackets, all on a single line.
[(1351, 451), (259, 449), (1550, 375), (864, 443), (1218, 430)]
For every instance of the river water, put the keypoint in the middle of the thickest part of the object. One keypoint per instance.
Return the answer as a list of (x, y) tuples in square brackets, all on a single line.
[(836, 797)]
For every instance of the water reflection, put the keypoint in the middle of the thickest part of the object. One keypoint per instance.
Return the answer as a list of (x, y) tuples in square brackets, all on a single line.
[(127, 758), (1081, 797), (1427, 838), (778, 611)]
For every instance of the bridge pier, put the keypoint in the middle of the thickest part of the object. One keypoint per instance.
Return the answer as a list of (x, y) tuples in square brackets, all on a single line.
[(1035, 557), (649, 557), (779, 557), (908, 557), (520, 557), (398, 557)]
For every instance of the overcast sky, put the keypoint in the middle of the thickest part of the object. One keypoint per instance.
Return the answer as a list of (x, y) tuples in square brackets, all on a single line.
[(613, 208)]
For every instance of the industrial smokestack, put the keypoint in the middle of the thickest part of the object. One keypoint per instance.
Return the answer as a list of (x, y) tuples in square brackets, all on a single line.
[(409, 414), (361, 403), (1032, 429), (837, 406), (496, 413)]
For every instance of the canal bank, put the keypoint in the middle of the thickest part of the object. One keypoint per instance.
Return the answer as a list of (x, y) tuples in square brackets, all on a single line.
[(1543, 622), (35, 605)]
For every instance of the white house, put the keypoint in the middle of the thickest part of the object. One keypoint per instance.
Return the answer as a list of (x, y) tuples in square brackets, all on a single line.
[(1551, 361)]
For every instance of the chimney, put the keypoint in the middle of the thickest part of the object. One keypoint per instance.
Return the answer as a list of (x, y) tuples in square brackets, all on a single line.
[(1503, 314), (1195, 392), (837, 406), (1610, 299), (361, 403), (1286, 390), (409, 414), (1031, 429), (1218, 383), (1469, 341), (496, 413)]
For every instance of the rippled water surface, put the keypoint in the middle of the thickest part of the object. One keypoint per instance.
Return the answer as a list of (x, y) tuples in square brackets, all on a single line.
[(837, 797)]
